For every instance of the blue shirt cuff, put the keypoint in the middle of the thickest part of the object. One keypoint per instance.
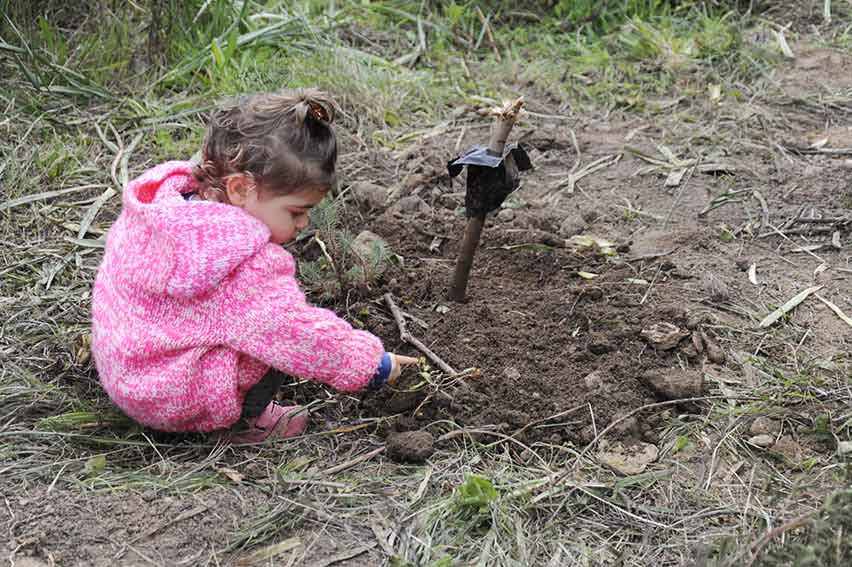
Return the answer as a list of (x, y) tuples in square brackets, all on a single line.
[(380, 378)]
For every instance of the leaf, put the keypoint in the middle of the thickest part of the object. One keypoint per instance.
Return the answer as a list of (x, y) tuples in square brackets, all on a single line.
[(752, 274), (476, 494), (233, 475), (46, 195), (218, 56), (587, 275), (789, 306), (270, 551), (95, 465)]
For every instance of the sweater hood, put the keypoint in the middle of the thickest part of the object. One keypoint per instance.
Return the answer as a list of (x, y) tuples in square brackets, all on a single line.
[(181, 248)]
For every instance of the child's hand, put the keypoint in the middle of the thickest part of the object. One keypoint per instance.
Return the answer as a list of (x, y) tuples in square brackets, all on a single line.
[(397, 362)]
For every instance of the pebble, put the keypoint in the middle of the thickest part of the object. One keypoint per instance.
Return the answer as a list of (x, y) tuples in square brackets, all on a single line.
[(762, 441), (369, 196), (506, 215), (764, 426), (627, 461)]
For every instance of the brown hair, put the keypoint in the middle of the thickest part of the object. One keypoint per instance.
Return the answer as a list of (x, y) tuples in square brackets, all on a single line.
[(284, 141)]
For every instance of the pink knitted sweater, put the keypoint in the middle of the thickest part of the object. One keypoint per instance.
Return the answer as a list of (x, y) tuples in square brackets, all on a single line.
[(192, 305)]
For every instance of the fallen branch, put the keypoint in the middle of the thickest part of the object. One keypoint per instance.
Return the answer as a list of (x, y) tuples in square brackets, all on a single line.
[(407, 337)]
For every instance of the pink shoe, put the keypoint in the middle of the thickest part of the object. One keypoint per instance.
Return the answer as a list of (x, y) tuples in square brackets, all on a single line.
[(275, 421)]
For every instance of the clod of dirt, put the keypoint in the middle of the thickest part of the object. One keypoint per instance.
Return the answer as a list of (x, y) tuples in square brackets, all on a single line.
[(717, 290), (369, 196), (401, 402), (663, 336), (571, 226), (674, 383), (743, 262), (762, 441), (365, 244), (627, 460), (788, 448), (763, 426), (715, 354), (412, 204), (599, 344), (593, 381), (410, 446), (695, 320)]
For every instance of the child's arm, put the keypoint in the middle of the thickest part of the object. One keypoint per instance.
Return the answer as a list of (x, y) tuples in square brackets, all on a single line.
[(267, 317)]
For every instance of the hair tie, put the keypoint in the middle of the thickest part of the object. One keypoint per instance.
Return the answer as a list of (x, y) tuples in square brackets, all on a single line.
[(318, 111)]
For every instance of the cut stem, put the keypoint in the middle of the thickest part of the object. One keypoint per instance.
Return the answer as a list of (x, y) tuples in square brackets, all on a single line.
[(506, 116)]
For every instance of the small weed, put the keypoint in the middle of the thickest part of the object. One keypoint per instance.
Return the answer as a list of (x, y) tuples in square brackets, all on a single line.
[(343, 264)]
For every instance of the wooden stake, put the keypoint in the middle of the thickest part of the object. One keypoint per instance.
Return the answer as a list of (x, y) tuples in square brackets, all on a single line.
[(506, 116)]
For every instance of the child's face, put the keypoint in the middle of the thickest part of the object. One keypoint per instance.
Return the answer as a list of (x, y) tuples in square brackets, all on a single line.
[(285, 215)]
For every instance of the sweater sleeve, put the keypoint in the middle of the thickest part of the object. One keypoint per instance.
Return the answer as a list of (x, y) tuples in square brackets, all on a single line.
[(266, 316)]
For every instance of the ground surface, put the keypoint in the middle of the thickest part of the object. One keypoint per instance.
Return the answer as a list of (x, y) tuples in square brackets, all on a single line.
[(550, 349)]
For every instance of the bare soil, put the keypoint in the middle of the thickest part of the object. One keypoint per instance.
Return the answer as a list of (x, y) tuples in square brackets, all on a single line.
[(558, 357)]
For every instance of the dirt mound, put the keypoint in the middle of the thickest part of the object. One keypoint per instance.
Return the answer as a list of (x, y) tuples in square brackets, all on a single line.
[(558, 356)]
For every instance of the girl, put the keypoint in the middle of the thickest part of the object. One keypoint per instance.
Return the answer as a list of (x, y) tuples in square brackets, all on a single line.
[(195, 298)]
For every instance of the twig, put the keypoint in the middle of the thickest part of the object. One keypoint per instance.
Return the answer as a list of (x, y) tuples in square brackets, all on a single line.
[(343, 556), (352, 462), (651, 256), (680, 192), (406, 337), (764, 208)]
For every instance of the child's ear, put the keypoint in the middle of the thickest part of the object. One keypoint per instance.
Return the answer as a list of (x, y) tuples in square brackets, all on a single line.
[(237, 189)]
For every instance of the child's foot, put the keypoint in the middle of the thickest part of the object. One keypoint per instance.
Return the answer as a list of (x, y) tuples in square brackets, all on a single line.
[(275, 421)]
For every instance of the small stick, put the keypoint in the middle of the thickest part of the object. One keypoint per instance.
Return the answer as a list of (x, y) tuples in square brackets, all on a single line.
[(406, 337), (352, 462), (506, 115)]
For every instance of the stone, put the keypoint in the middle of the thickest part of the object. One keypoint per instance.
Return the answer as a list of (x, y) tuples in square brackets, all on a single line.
[(369, 196), (763, 441), (364, 247), (599, 344), (410, 446), (412, 204), (627, 460), (506, 215), (764, 426), (717, 290), (674, 383)]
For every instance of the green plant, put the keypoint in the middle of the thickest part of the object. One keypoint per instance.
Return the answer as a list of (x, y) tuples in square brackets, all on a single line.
[(475, 496), (345, 263)]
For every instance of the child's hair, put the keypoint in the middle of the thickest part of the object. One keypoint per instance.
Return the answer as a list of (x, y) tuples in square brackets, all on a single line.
[(284, 141)]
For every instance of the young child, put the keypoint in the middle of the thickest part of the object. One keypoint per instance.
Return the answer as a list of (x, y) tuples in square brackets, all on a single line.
[(195, 299)]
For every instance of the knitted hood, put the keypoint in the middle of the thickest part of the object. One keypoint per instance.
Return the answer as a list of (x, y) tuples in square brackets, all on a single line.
[(177, 251)]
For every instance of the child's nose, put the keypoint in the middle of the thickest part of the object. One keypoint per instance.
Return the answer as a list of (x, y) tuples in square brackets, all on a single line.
[(301, 223)]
